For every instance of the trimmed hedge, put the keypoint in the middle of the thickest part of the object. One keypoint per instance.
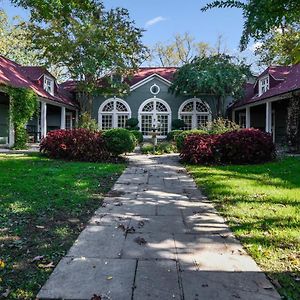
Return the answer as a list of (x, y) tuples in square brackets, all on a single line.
[(245, 146), (119, 140), (77, 144), (171, 136), (137, 135)]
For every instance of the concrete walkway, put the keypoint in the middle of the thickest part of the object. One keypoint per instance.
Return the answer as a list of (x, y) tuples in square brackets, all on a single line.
[(157, 237)]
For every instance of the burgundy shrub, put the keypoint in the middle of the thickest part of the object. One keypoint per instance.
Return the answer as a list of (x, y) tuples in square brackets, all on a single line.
[(76, 144), (199, 149), (245, 146)]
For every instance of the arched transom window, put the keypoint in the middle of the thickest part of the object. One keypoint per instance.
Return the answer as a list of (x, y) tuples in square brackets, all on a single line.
[(195, 113), (113, 113)]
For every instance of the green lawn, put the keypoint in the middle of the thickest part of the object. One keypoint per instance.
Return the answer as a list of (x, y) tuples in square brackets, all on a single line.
[(262, 206), (44, 205)]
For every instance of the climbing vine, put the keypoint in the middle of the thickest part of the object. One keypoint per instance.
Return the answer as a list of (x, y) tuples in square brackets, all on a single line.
[(293, 124), (24, 104)]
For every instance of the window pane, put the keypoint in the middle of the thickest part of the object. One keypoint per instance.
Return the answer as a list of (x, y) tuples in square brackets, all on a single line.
[(187, 121), (106, 122), (146, 124), (122, 121), (201, 121), (163, 125)]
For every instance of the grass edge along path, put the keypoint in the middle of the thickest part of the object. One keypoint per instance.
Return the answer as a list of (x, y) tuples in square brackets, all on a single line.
[(261, 204), (44, 205)]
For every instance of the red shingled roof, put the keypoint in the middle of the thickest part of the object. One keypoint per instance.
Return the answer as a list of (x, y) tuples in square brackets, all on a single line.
[(13, 74), (289, 81), (35, 72), (165, 72)]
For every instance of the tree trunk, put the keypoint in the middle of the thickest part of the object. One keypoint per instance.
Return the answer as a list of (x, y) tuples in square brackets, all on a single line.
[(293, 124), (219, 106)]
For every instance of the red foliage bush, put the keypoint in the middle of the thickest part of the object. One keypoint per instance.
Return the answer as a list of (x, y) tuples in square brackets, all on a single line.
[(245, 146), (76, 144), (199, 148)]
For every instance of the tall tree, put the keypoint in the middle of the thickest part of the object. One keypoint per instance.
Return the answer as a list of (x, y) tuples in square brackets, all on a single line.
[(280, 47), (261, 16), (90, 44), (218, 75), (14, 40), (181, 50)]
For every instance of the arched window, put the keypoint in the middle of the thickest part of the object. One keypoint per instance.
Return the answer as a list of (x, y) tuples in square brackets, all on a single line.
[(156, 113), (113, 113), (195, 113)]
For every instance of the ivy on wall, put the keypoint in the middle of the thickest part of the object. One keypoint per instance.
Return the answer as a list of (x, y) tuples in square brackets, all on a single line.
[(293, 124), (23, 105)]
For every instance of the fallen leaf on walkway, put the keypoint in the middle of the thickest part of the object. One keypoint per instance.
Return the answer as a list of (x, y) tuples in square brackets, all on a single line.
[(109, 277), (130, 229), (40, 227), (39, 257), (121, 226), (141, 224), (139, 240), (47, 266), (96, 297)]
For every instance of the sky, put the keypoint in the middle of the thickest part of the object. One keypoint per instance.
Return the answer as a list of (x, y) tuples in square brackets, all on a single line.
[(162, 19)]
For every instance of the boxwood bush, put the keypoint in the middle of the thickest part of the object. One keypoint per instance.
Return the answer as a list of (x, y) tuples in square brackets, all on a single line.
[(138, 136), (119, 140), (77, 144), (245, 146), (171, 136)]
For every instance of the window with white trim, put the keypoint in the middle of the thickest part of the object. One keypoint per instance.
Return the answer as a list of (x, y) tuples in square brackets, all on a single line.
[(49, 85), (113, 113), (263, 85), (195, 113)]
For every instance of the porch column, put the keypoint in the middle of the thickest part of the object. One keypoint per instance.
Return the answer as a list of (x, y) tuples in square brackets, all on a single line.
[(76, 118), (248, 117), (63, 118), (11, 129), (43, 119), (269, 117), (233, 115), (11, 136)]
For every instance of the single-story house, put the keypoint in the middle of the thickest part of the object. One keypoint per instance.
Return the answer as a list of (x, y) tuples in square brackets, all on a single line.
[(57, 108), (266, 101), (150, 101)]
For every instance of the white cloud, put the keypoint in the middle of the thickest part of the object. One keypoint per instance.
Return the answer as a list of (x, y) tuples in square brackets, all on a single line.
[(255, 46), (155, 21)]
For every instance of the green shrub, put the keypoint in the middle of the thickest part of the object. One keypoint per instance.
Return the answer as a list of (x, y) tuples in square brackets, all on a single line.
[(20, 142), (119, 140), (220, 125), (181, 137), (87, 122), (171, 136), (161, 148), (138, 136), (178, 124), (132, 124)]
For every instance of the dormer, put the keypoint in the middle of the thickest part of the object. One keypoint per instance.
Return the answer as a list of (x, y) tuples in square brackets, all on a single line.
[(48, 84), (263, 84)]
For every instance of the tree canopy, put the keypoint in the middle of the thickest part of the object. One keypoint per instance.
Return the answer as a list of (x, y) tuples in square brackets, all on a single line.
[(280, 47), (90, 44), (14, 40), (182, 49), (261, 16), (218, 75)]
